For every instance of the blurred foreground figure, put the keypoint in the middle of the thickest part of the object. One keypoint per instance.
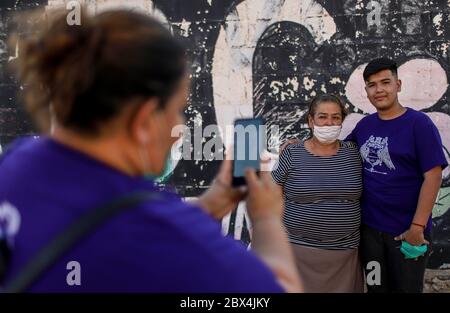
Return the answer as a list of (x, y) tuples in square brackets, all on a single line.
[(114, 88)]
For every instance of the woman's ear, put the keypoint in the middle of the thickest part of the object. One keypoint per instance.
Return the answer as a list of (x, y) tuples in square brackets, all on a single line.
[(310, 121), (143, 122)]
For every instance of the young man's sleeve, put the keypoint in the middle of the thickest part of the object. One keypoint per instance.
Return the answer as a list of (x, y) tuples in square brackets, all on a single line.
[(351, 136), (428, 145), (282, 167)]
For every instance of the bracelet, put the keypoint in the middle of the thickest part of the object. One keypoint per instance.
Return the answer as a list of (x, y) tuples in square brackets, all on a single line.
[(423, 226)]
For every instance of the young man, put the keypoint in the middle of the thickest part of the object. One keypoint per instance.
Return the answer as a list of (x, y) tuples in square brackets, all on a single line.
[(403, 161)]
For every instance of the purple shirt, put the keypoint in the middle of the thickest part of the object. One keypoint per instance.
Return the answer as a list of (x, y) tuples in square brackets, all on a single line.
[(395, 153), (163, 245)]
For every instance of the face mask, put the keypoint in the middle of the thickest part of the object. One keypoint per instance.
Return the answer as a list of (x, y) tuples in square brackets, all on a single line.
[(327, 134), (169, 166), (412, 252), (172, 159)]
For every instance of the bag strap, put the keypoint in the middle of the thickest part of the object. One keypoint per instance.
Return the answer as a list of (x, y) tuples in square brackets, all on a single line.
[(81, 227)]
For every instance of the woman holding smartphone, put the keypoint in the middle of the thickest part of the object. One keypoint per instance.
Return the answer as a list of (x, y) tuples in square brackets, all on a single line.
[(321, 180), (115, 87)]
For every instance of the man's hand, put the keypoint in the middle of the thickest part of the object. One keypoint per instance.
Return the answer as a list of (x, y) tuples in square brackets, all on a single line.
[(414, 236), (221, 198), (289, 142), (428, 193)]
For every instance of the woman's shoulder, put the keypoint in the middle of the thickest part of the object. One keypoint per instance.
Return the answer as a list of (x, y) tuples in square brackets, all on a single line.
[(296, 147)]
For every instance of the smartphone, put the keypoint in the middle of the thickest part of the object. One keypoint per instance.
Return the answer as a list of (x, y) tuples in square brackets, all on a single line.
[(249, 134)]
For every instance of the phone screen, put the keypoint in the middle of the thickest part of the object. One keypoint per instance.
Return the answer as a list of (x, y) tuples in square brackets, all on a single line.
[(248, 137)]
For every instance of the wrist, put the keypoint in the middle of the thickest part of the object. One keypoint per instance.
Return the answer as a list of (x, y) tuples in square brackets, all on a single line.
[(418, 226), (266, 219), (203, 203)]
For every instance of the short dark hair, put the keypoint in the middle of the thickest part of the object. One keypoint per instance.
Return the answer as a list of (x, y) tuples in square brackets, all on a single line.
[(378, 65)]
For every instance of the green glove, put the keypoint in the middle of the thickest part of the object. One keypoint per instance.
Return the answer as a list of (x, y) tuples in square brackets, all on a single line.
[(412, 252)]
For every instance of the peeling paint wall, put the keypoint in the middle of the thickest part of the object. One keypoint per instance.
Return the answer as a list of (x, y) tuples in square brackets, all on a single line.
[(269, 58)]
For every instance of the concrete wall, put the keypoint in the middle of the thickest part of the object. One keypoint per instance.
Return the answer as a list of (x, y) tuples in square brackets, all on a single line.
[(269, 58)]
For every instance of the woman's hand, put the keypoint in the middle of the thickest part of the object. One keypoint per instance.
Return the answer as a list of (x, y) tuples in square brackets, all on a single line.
[(221, 198), (289, 142)]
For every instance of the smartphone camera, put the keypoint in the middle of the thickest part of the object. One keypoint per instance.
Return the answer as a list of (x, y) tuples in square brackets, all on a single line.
[(248, 144)]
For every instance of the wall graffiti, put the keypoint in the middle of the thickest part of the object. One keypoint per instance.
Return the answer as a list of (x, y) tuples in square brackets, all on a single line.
[(268, 58)]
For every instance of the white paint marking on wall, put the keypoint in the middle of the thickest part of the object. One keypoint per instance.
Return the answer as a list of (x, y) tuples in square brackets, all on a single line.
[(437, 20), (308, 83), (275, 86), (355, 90), (359, 5), (349, 123), (444, 48), (335, 80), (241, 215), (16, 55), (239, 222), (3, 48), (286, 89), (442, 202), (294, 82), (185, 26), (442, 122), (226, 224), (424, 82)]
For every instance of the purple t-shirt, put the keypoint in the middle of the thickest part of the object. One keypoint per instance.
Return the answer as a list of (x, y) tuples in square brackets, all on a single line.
[(163, 245), (395, 153)]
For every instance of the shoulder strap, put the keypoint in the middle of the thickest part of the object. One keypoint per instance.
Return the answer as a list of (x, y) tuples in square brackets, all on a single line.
[(56, 248)]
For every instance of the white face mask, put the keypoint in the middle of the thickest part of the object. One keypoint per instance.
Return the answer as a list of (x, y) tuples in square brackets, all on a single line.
[(327, 134)]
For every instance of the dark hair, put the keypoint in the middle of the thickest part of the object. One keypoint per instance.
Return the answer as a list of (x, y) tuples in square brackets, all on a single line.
[(85, 74), (378, 65), (326, 97)]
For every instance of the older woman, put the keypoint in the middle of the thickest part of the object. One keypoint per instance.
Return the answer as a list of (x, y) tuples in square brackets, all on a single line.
[(117, 86), (322, 185)]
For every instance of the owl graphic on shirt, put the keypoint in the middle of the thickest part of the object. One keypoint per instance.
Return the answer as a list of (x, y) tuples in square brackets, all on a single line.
[(375, 153)]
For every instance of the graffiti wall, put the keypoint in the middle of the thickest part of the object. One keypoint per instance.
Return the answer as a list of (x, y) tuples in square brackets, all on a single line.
[(269, 58)]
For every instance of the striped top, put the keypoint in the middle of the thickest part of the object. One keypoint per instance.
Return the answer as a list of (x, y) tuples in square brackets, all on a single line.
[(322, 196)]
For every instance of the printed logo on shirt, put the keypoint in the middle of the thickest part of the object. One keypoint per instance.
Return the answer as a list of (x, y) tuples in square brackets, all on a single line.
[(9, 220), (375, 153)]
